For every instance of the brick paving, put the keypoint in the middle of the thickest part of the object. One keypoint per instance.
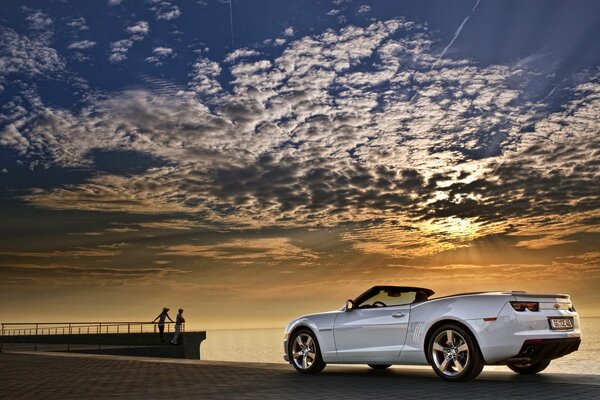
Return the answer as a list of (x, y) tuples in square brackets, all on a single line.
[(42, 376)]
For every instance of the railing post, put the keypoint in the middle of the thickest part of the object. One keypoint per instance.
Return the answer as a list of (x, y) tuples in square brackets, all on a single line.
[(128, 332), (99, 333), (1, 337), (69, 340), (36, 337)]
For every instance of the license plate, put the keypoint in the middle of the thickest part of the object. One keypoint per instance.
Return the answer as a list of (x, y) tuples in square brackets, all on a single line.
[(559, 324)]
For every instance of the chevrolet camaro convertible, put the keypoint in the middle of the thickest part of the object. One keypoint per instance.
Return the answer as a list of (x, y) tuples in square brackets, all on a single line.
[(457, 335)]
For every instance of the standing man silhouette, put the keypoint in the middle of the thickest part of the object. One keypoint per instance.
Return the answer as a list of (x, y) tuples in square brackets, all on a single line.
[(161, 323), (178, 321)]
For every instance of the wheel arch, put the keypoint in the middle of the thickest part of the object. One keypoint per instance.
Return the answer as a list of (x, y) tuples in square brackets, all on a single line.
[(439, 323)]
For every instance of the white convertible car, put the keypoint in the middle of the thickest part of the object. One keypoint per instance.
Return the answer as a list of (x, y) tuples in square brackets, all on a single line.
[(457, 335)]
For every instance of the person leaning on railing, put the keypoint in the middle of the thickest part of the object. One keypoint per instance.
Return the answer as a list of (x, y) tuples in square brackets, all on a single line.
[(179, 320), (161, 323)]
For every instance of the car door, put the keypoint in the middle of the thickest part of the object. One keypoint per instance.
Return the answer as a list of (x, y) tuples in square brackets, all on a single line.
[(371, 333)]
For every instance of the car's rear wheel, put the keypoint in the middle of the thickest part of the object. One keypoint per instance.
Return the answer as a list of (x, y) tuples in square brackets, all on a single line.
[(305, 353), (454, 354), (379, 366), (529, 369)]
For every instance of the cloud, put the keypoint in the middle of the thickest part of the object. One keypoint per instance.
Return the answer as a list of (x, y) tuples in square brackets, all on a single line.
[(165, 10), (364, 9), (204, 77), (139, 28), (74, 253), (119, 48), (345, 128), (67, 275), (21, 55), (38, 20), (10, 137), (240, 53), (159, 54), (176, 224), (243, 250), (79, 24), (162, 51), (82, 45)]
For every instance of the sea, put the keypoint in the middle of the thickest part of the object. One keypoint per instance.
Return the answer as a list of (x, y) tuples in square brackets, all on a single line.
[(266, 346)]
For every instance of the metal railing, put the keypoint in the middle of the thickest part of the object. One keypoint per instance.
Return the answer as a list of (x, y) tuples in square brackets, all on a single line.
[(37, 329)]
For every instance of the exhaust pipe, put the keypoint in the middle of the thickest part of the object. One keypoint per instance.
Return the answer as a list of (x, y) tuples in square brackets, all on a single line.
[(529, 350)]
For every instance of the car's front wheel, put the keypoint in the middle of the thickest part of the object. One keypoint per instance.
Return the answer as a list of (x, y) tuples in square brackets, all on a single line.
[(529, 369), (453, 353), (305, 353)]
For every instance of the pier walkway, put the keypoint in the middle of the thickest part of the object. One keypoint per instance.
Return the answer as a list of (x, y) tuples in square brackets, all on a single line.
[(77, 376), (115, 338)]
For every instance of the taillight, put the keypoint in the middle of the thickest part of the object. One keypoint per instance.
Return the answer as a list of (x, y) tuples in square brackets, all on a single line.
[(522, 306)]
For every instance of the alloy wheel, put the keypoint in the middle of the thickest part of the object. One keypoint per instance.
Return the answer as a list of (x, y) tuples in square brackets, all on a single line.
[(450, 352), (304, 351)]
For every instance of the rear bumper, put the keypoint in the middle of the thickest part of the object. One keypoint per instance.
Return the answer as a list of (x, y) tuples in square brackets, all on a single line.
[(534, 350)]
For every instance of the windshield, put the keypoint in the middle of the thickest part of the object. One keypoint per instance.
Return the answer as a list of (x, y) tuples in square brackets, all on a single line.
[(392, 297)]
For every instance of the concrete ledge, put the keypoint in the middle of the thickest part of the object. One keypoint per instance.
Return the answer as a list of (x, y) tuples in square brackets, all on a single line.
[(139, 344)]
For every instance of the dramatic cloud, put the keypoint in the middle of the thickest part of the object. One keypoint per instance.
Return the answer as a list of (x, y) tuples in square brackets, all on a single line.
[(348, 128)]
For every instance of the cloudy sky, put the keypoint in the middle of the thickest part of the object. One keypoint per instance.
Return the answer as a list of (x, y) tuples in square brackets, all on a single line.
[(255, 160)]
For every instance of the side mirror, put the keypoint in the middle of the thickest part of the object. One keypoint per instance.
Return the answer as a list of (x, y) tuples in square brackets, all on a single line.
[(349, 305)]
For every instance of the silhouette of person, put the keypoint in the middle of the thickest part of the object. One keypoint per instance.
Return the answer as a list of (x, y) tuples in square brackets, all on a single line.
[(161, 323), (178, 321)]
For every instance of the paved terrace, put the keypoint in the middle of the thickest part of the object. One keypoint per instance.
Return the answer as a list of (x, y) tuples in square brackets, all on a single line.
[(75, 376)]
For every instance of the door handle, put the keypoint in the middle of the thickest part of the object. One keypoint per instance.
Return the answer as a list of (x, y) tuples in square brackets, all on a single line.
[(398, 315)]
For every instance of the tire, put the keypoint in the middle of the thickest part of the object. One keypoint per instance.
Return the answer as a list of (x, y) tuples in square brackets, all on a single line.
[(529, 369), (453, 354), (304, 352), (379, 366)]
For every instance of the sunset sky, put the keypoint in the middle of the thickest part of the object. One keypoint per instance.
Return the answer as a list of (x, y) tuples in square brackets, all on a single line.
[(256, 160)]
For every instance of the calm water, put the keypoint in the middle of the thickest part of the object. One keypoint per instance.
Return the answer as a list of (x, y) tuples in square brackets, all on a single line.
[(265, 345)]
